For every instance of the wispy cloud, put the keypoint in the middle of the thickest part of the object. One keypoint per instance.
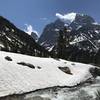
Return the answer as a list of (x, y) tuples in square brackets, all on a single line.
[(29, 29), (44, 18)]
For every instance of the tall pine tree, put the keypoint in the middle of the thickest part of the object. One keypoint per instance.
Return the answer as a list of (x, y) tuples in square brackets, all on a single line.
[(63, 42), (61, 46)]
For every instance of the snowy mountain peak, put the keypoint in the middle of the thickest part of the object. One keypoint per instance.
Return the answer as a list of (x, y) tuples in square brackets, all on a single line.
[(78, 18), (66, 18)]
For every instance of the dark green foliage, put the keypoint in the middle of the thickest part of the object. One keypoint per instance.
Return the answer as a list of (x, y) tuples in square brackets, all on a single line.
[(72, 52), (63, 43), (17, 41), (97, 58), (61, 47)]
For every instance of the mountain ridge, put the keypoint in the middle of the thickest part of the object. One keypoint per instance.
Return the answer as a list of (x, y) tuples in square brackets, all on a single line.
[(79, 22), (13, 39), (84, 37)]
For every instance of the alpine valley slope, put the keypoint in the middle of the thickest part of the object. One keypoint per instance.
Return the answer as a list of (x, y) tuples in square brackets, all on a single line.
[(20, 74), (15, 40)]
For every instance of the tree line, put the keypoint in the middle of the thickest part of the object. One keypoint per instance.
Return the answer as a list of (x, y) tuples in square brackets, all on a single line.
[(64, 50)]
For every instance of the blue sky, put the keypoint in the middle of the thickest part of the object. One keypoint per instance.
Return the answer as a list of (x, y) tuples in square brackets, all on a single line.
[(38, 13)]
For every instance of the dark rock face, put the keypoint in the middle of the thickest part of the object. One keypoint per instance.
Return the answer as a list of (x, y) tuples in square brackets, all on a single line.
[(15, 40), (34, 36), (50, 35), (65, 70), (26, 64), (81, 20), (95, 71), (8, 58), (85, 39), (84, 33)]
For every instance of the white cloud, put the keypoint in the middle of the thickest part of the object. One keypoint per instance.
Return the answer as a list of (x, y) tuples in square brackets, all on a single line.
[(67, 18), (29, 29)]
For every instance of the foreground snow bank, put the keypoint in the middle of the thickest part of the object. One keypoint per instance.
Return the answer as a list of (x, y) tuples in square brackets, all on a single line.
[(20, 73)]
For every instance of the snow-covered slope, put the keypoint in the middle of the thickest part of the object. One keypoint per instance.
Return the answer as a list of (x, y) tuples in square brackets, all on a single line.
[(21, 73)]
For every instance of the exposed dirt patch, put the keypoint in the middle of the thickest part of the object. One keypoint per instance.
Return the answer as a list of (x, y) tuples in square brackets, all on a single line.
[(26, 64), (65, 70), (8, 58)]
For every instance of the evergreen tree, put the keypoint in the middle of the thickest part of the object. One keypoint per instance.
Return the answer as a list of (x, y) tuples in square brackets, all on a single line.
[(63, 40)]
